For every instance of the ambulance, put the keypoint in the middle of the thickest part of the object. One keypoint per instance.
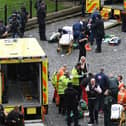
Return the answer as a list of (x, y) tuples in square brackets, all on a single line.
[(24, 77)]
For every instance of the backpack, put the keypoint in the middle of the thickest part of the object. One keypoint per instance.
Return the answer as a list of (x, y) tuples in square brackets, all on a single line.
[(113, 86)]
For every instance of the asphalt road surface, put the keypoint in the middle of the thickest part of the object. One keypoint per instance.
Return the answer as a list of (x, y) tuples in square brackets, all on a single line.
[(112, 59)]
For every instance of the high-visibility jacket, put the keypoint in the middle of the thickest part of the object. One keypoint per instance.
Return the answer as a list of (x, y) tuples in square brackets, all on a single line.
[(54, 79), (63, 81), (59, 74), (122, 97), (75, 77)]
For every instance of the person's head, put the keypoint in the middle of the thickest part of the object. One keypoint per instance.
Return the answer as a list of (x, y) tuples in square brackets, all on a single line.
[(78, 66), (16, 108), (23, 8), (92, 81), (102, 70), (64, 67), (67, 73), (120, 77), (91, 75), (83, 59), (69, 85)]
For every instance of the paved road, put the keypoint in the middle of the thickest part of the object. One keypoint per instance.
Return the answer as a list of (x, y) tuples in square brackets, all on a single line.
[(112, 58)]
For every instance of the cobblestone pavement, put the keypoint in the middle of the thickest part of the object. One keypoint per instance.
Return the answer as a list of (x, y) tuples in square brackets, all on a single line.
[(112, 58)]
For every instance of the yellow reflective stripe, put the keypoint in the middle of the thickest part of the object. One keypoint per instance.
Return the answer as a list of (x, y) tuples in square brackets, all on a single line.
[(8, 61), (91, 5), (45, 81)]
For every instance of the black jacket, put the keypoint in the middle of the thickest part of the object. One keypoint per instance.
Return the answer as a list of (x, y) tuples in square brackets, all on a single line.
[(98, 27), (71, 97)]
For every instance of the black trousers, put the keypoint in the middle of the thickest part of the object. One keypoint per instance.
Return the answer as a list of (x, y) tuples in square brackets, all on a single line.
[(61, 104), (99, 43), (75, 115), (93, 110), (42, 31), (82, 51)]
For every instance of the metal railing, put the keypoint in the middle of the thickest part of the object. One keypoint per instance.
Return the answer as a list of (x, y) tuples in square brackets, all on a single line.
[(52, 6)]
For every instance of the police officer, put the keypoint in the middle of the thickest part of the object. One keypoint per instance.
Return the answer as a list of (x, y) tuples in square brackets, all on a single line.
[(24, 18), (14, 25), (93, 90), (41, 14), (99, 33), (82, 41), (76, 77), (71, 102), (3, 30)]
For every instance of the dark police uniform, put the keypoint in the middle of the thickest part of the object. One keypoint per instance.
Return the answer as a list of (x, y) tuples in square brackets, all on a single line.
[(41, 13), (24, 16), (2, 29), (82, 50), (14, 25), (71, 103)]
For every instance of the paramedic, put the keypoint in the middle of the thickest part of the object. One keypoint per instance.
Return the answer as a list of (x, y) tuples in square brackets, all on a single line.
[(71, 103), (60, 73), (63, 81), (82, 41), (93, 90), (76, 77)]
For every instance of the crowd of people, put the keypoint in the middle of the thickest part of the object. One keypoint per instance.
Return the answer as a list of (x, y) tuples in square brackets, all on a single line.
[(99, 91), (81, 33), (16, 24)]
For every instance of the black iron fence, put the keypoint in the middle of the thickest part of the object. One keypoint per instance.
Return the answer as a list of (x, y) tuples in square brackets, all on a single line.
[(52, 5)]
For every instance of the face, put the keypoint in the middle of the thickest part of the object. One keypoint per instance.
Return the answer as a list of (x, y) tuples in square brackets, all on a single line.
[(83, 59), (92, 81)]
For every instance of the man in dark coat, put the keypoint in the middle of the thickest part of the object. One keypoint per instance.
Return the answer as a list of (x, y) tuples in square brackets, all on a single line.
[(103, 80), (71, 103), (3, 30), (98, 32), (41, 14), (82, 42)]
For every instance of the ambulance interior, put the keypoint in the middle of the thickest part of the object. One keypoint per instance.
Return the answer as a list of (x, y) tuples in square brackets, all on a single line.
[(22, 83)]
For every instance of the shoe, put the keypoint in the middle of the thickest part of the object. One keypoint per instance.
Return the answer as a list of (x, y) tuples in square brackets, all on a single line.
[(90, 123), (97, 51), (96, 122)]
